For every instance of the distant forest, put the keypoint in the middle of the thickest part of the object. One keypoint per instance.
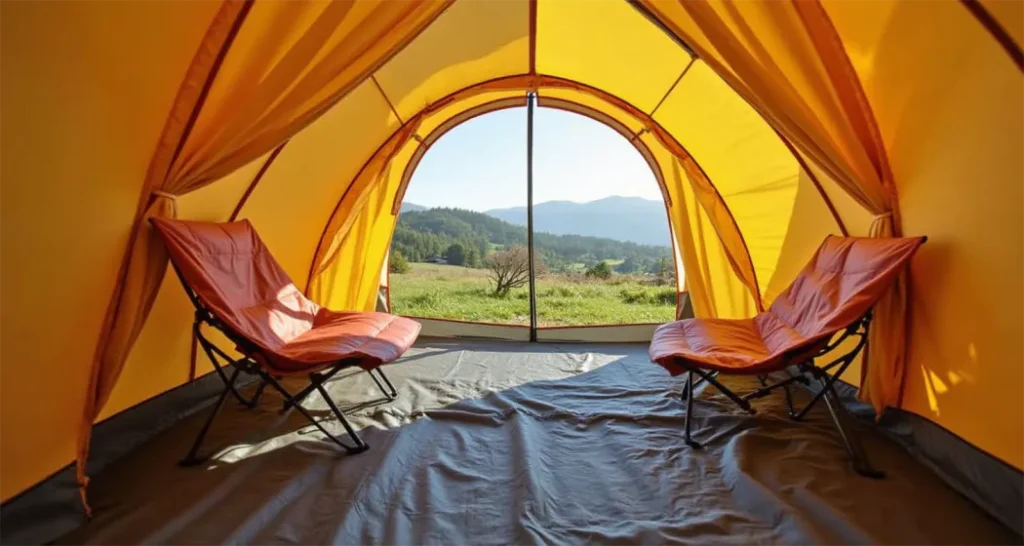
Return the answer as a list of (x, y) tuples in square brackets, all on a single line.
[(421, 235)]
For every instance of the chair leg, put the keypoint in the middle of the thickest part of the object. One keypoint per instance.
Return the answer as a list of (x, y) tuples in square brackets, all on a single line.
[(689, 410), (301, 395), (789, 403), (291, 402), (767, 388), (726, 391), (699, 381), (360, 445), (390, 393), (257, 395), (858, 457), (193, 458), (212, 352), (296, 399), (325, 376)]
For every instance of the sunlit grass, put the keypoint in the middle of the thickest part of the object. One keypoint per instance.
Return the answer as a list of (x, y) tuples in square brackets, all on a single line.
[(442, 291)]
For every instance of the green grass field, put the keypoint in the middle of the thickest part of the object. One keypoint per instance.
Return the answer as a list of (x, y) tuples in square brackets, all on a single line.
[(444, 291)]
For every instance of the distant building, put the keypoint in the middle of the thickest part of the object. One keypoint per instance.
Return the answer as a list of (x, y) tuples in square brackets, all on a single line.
[(435, 259)]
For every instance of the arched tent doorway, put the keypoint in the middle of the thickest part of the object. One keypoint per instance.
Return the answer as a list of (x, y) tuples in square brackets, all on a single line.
[(716, 239), (612, 329)]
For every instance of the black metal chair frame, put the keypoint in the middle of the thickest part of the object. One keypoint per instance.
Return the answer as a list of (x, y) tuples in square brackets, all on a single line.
[(247, 364), (807, 373)]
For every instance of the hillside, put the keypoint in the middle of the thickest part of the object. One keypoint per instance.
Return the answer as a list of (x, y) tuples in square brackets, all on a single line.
[(424, 233), (412, 207), (632, 219)]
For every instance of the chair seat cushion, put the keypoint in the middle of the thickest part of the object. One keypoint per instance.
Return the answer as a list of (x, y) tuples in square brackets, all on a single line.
[(837, 288), (371, 338), (745, 346)]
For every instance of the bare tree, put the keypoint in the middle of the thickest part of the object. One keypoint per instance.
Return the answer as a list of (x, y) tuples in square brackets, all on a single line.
[(510, 268)]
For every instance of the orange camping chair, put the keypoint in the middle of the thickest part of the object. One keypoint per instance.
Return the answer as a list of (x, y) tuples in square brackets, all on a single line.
[(833, 294), (239, 289)]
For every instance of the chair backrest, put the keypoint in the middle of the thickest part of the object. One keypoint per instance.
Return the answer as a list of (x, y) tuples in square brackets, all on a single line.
[(846, 277), (234, 276)]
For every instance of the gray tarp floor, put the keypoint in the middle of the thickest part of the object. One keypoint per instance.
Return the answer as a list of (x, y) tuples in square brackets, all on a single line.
[(506, 443)]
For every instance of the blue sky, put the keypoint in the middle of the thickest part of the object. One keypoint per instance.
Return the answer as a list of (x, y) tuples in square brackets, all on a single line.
[(481, 164)]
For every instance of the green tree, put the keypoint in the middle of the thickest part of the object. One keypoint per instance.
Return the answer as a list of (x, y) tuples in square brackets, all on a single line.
[(472, 258), (600, 271), (629, 265), (455, 255), (664, 271), (421, 234), (398, 263)]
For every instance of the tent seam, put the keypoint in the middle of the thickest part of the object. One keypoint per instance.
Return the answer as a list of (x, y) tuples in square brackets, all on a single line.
[(255, 181), (391, 105), (1012, 48), (673, 86)]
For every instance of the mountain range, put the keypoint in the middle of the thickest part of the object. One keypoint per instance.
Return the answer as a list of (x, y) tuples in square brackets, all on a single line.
[(630, 219)]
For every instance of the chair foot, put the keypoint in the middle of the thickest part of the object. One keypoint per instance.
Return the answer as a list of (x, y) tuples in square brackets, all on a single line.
[(745, 406), (255, 401), (694, 443), (858, 457), (390, 392), (868, 472), (192, 461), (354, 450)]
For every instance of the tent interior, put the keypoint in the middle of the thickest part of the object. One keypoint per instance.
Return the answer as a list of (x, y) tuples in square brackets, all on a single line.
[(768, 126)]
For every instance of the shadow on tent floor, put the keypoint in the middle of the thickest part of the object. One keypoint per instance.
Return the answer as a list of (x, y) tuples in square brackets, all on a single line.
[(518, 443)]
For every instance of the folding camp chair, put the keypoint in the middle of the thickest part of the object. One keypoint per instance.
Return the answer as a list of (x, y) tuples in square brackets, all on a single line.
[(239, 289), (834, 294)]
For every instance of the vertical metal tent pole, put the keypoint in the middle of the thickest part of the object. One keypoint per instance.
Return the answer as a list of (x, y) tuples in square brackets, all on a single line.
[(531, 100)]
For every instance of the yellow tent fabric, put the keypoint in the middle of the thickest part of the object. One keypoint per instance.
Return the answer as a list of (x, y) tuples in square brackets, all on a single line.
[(769, 125)]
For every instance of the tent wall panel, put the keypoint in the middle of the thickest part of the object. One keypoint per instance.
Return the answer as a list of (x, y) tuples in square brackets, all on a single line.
[(469, 43), (297, 193), (454, 328), (619, 333), (744, 158), (75, 148), (952, 129), (351, 279), (807, 226), (856, 219), (608, 45), (715, 289)]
